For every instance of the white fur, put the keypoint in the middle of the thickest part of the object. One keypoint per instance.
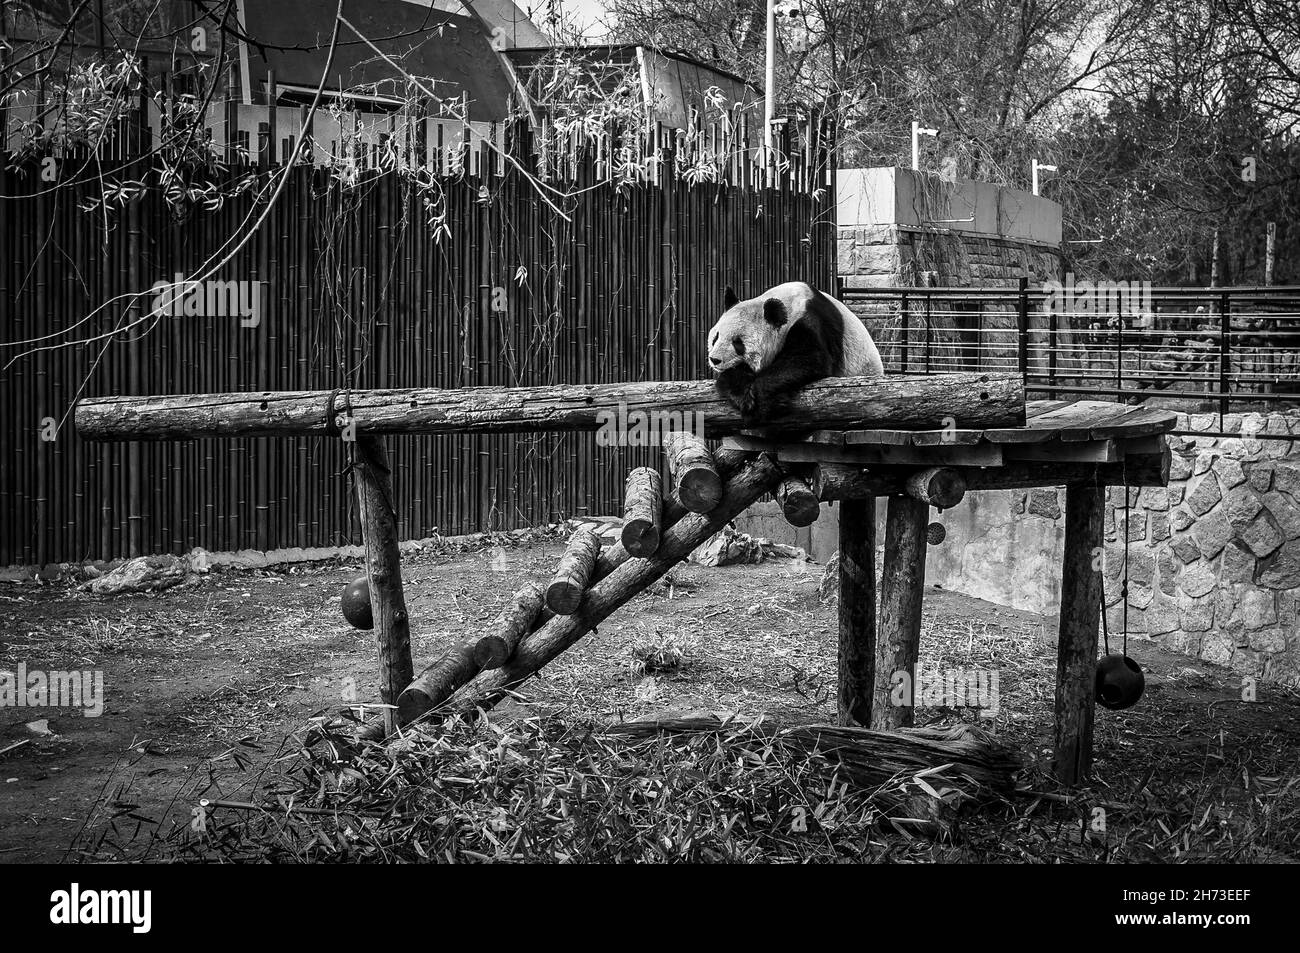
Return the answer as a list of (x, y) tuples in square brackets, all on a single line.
[(763, 342)]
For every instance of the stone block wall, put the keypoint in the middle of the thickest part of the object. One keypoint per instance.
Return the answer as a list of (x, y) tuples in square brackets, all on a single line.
[(1214, 559), (882, 256)]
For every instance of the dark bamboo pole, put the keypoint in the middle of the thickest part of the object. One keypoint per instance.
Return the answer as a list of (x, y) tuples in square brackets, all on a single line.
[(902, 585), (383, 570), (857, 611), (1076, 653)]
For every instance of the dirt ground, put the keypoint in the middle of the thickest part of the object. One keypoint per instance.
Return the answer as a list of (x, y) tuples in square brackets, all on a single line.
[(207, 679)]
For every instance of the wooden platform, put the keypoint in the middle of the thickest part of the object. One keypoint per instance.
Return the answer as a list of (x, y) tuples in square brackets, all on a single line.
[(1082, 445), (1055, 431)]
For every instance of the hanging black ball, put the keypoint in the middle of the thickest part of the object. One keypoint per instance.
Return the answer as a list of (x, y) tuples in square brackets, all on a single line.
[(1119, 682), (356, 604)]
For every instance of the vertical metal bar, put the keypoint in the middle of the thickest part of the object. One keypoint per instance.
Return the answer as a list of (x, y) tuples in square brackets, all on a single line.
[(928, 330), (904, 331), (1225, 352), (1052, 347), (1022, 325)]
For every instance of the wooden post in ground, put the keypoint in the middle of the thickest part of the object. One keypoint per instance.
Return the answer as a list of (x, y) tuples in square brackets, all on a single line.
[(857, 611), (902, 585), (383, 569), (1076, 658)]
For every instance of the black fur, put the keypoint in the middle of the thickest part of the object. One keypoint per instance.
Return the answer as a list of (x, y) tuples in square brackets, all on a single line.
[(813, 349)]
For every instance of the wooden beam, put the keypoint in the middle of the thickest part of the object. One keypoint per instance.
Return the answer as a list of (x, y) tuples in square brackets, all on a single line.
[(937, 486), (383, 569), (957, 455), (643, 507), (696, 483), (631, 577), (564, 594), (857, 612), (494, 649), (799, 504), (836, 481), (902, 585), (915, 402), (1076, 653)]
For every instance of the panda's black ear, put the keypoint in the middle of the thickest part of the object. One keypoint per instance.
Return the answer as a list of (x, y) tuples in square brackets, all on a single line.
[(775, 313), (729, 299)]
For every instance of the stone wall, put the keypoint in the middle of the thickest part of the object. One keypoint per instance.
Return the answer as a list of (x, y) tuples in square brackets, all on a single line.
[(883, 256), (1214, 560)]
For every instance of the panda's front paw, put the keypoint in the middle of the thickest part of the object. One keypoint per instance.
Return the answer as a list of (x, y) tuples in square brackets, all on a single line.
[(750, 404)]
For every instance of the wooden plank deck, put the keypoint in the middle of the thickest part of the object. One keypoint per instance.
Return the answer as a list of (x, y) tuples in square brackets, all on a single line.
[(1092, 431)]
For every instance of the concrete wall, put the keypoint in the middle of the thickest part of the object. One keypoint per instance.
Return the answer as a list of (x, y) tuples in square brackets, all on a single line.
[(899, 227), (902, 197)]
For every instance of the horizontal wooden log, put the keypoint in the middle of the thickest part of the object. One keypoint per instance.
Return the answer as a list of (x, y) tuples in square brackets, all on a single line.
[(494, 648), (833, 481), (728, 462), (696, 483), (625, 582), (642, 511), (799, 504), (564, 594), (906, 402), (939, 486), (466, 659)]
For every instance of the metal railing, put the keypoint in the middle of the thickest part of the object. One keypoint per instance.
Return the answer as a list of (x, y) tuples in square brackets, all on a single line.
[(1234, 348)]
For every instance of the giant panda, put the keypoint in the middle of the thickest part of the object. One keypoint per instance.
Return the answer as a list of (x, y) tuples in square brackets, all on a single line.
[(764, 348)]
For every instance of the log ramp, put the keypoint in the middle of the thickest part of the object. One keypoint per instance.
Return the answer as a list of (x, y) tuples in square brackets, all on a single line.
[(705, 490)]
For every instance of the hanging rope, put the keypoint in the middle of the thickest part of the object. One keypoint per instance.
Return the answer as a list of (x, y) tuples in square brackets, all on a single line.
[(1123, 588)]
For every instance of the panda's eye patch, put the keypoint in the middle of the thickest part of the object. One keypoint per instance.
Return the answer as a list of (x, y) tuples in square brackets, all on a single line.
[(738, 344), (713, 340)]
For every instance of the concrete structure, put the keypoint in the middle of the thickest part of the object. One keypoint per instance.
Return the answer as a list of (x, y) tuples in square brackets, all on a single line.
[(898, 227)]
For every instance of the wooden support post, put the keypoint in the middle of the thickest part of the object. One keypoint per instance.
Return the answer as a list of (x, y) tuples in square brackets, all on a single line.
[(902, 585), (383, 569), (642, 511), (857, 611), (564, 594), (799, 504), (1076, 653), (696, 482)]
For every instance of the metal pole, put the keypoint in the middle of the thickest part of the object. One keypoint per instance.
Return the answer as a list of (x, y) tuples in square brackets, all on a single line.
[(769, 105)]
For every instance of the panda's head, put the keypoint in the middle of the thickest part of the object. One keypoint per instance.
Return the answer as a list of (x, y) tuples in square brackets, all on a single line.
[(749, 333)]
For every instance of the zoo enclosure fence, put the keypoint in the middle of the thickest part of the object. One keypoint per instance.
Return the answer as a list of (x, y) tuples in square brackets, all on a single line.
[(359, 291), (1222, 349)]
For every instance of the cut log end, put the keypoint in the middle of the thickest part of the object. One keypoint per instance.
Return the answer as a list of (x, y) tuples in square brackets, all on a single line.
[(642, 512), (564, 594), (699, 489), (640, 538), (938, 486), (696, 481), (799, 504)]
